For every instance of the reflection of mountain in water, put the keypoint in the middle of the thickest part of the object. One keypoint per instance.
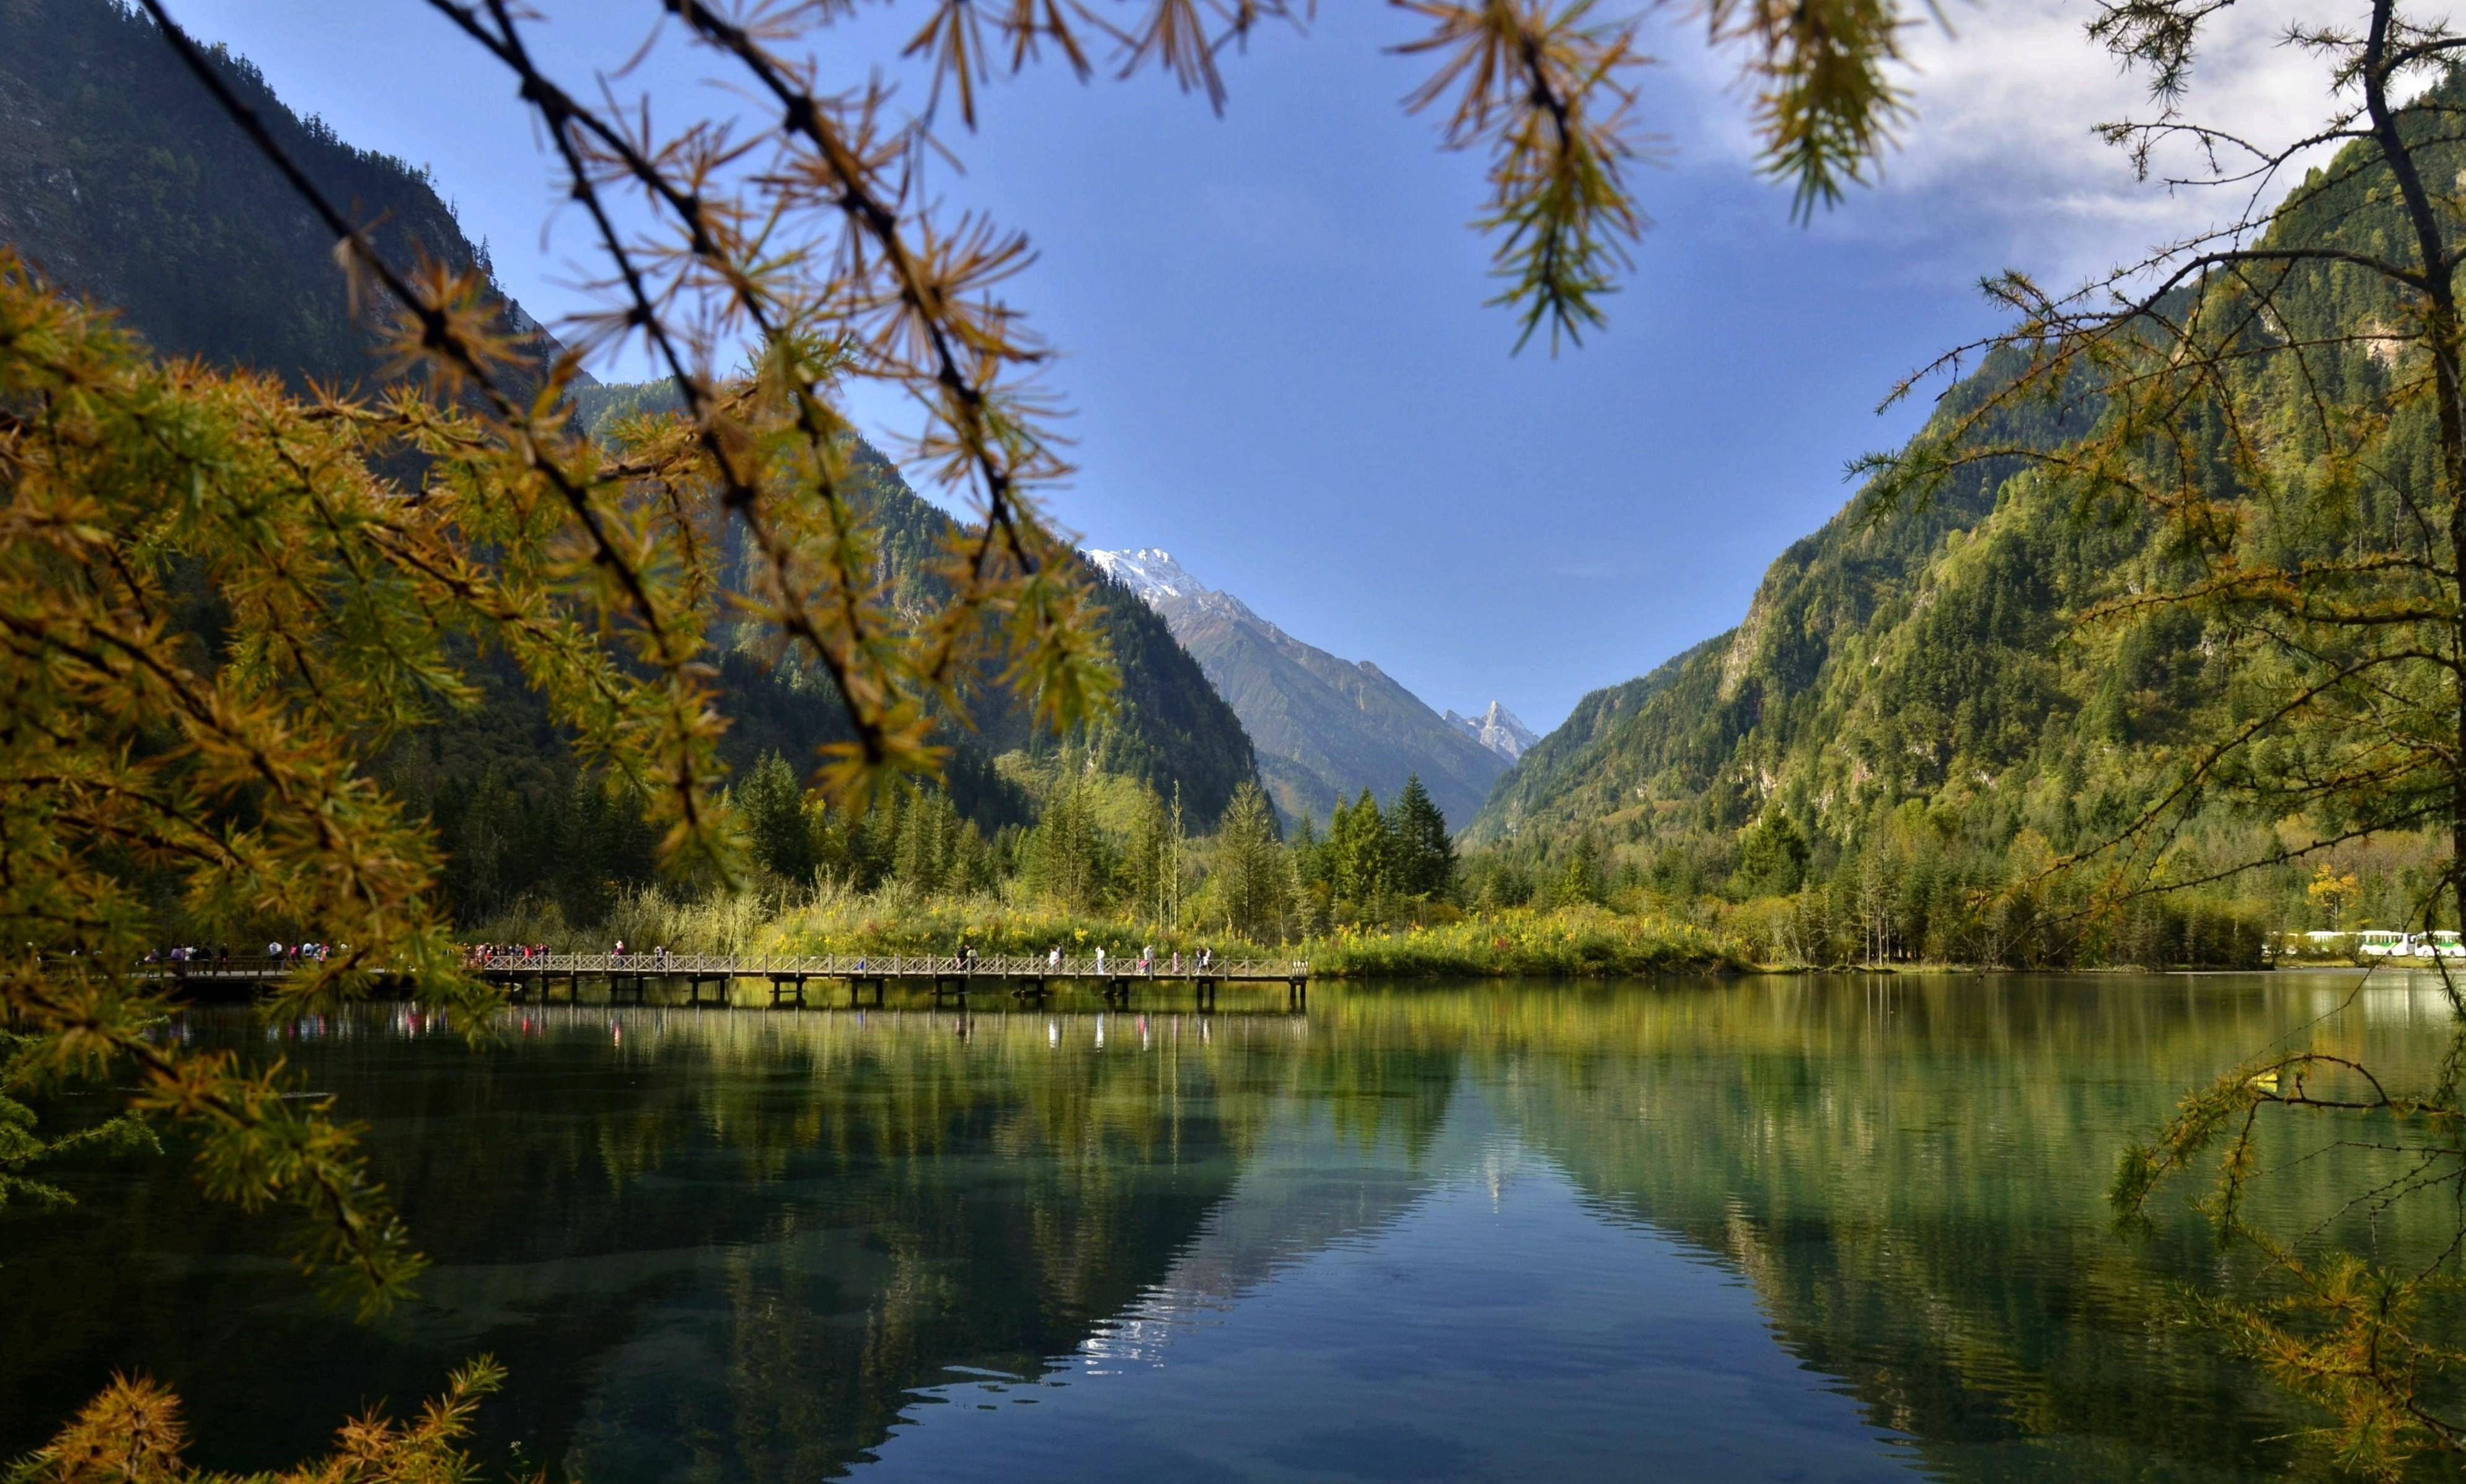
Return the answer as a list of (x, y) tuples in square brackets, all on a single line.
[(1494, 1328), (1046, 1197), (741, 1246), (1913, 1178)]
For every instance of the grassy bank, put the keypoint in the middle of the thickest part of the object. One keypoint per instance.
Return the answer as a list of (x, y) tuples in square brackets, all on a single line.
[(1577, 943), (1565, 942)]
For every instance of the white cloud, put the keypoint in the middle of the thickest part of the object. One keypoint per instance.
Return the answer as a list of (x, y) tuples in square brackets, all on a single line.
[(2001, 157)]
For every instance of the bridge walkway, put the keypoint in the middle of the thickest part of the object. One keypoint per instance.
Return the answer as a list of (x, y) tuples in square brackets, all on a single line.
[(630, 975)]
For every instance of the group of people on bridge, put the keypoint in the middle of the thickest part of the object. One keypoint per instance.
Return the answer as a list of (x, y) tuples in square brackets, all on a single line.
[(499, 955), (485, 956), (515, 954), (185, 955), (1144, 963)]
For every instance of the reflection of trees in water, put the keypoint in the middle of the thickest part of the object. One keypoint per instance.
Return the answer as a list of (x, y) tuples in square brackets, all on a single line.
[(734, 1243), (1913, 1176), (729, 1242), (946, 1192), (1911, 1173)]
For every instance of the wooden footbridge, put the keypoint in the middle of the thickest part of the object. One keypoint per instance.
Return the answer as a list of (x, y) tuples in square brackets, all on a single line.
[(629, 976)]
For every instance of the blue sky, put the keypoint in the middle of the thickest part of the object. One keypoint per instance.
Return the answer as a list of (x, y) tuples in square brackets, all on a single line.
[(1273, 323)]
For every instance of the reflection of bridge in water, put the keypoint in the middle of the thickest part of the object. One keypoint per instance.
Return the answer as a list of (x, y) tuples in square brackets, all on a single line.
[(629, 976)]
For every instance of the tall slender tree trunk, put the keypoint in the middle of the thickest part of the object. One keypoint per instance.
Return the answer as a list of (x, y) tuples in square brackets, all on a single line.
[(2442, 336)]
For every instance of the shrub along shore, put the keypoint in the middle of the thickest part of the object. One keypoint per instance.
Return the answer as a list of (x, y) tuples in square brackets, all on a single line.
[(1574, 942), (1577, 941)]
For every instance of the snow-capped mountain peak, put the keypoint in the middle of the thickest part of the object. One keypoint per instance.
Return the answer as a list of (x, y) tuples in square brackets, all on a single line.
[(1151, 573), (1324, 728), (1498, 730)]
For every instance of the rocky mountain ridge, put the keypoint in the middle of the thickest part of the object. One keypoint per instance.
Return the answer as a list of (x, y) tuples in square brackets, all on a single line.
[(1324, 727), (1498, 729)]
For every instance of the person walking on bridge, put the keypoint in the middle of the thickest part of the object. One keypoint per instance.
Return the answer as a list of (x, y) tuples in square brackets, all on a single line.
[(1100, 961)]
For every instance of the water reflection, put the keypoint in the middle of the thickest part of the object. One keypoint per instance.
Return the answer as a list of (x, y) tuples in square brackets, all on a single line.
[(1788, 1228)]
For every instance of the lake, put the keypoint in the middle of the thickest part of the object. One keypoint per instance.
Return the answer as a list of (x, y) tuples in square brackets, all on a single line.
[(1763, 1229)]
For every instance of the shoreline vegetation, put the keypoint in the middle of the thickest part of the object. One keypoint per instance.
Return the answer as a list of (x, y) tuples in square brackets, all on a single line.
[(1579, 941), (1375, 892), (1574, 942)]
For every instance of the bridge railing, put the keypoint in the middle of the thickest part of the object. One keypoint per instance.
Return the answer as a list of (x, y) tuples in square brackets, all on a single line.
[(238, 966), (885, 965), (840, 965)]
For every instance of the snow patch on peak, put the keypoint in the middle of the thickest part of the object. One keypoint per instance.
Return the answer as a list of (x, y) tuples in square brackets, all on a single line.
[(1150, 572), (1497, 729)]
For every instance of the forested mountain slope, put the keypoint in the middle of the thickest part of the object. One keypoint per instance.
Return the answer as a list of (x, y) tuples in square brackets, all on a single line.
[(1705, 737), (122, 181), (1916, 686), (124, 184)]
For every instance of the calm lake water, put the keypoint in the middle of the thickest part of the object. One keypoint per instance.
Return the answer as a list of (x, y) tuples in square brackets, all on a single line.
[(1782, 1228)]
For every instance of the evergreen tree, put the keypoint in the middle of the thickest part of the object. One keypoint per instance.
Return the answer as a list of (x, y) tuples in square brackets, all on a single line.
[(1579, 874), (1067, 852), (607, 846), (1357, 851), (873, 840), (1425, 861), (779, 826), (1176, 837), (1772, 858), (1147, 860), (1252, 876), (927, 849), (1309, 852), (1152, 866)]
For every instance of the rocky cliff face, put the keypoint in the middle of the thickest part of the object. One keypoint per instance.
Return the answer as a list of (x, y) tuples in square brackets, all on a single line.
[(1325, 728)]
